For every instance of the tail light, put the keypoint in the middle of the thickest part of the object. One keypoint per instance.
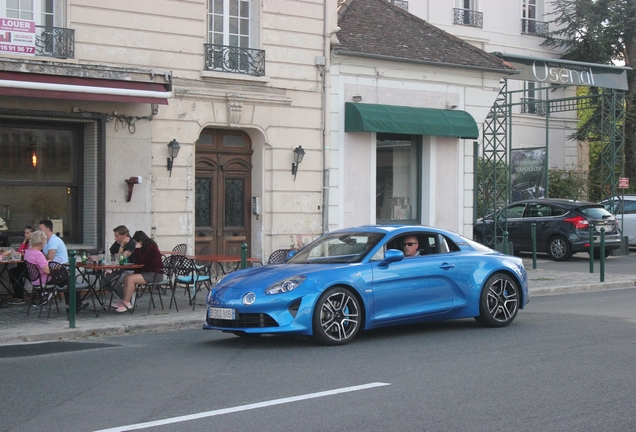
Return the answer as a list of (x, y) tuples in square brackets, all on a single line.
[(579, 222)]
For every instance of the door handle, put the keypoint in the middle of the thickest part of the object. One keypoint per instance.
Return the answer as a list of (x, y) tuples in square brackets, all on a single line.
[(447, 266)]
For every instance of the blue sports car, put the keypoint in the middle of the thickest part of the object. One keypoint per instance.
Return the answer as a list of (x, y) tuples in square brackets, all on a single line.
[(359, 278)]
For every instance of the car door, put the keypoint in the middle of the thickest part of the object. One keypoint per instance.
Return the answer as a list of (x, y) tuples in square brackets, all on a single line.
[(628, 223), (516, 226), (546, 219), (414, 287)]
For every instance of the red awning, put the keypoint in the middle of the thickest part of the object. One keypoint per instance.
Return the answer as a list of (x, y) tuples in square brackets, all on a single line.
[(75, 88)]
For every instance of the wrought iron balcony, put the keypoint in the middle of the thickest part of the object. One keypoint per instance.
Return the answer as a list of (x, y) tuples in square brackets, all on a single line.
[(532, 106), (401, 4), (468, 17), (55, 42), (223, 58), (534, 27)]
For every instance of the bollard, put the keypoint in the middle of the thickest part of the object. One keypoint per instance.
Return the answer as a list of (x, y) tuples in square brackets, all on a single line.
[(71, 289), (505, 240), (591, 252), (243, 255), (602, 254), (534, 245)]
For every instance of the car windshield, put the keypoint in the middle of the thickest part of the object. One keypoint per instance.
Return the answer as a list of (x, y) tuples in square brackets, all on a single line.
[(337, 248)]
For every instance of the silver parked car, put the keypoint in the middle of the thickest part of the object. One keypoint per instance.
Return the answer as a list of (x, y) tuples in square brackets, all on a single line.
[(624, 208)]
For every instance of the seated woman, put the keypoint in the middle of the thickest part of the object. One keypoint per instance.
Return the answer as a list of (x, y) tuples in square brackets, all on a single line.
[(35, 256), (146, 253), (17, 273)]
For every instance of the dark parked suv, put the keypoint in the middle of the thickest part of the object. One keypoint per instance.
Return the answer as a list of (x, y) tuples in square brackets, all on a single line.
[(562, 227)]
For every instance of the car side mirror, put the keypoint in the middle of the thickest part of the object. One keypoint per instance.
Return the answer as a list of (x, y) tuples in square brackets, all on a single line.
[(391, 256)]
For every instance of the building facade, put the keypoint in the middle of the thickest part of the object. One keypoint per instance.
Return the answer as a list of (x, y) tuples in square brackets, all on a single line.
[(388, 171), (517, 27), (92, 100)]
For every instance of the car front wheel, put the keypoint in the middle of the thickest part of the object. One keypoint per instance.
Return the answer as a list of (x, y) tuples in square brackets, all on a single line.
[(559, 248), (499, 301), (337, 317)]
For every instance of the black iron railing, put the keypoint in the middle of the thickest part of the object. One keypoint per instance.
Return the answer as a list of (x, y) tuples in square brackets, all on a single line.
[(55, 42), (534, 27), (468, 17), (532, 106), (223, 58)]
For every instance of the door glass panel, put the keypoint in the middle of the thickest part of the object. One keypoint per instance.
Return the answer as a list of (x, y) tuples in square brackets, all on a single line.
[(234, 203), (234, 141), (397, 174), (203, 198)]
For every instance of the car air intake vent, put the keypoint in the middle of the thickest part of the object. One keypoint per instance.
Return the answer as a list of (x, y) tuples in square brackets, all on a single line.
[(246, 320)]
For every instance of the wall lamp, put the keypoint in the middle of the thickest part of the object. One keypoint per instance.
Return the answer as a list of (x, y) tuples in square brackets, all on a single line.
[(299, 154), (173, 151)]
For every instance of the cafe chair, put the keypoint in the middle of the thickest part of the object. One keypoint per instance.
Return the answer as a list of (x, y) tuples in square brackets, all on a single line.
[(46, 293), (186, 274), (180, 249), (278, 256), (162, 283), (60, 278), (206, 267)]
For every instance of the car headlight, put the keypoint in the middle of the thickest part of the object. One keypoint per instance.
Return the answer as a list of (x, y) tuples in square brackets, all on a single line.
[(285, 285)]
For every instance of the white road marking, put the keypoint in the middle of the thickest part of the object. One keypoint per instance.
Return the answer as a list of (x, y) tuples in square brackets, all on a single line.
[(243, 408)]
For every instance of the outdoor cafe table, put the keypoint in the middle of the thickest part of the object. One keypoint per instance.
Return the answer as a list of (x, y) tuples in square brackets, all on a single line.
[(219, 260), (4, 269), (99, 270)]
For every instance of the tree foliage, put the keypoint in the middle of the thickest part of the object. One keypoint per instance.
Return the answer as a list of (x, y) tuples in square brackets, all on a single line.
[(600, 31)]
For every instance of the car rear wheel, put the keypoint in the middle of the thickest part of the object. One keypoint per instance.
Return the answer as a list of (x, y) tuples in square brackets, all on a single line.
[(499, 301), (559, 248), (337, 317)]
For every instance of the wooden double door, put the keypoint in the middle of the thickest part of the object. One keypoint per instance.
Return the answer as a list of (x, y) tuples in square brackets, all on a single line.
[(223, 191)]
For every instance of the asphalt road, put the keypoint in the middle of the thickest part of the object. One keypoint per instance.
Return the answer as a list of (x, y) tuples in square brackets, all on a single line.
[(566, 363)]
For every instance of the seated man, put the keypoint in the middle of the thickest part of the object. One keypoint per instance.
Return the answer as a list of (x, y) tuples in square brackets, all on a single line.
[(122, 246), (410, 245)]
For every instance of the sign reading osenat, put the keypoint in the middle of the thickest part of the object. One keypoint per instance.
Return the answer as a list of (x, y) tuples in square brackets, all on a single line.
[(556, 71), (17, 36)]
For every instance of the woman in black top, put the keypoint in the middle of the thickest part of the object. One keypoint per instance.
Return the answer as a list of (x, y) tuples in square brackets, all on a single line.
[(146, 253)]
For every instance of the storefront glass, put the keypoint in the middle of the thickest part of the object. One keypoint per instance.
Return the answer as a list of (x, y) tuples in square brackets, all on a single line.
[(398, 176), (39, 176)]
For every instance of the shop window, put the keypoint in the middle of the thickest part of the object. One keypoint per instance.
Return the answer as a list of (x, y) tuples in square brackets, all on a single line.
[(398, 178), (48, 170)]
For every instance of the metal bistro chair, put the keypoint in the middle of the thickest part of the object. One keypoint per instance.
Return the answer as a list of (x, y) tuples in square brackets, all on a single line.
[(47, 292), (180, 249), (60, 278), (205, 267), (278, 256), (186, 274), (159, 284)]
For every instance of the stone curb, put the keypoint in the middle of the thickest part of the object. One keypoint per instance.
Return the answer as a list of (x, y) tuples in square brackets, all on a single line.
[(112, 330), (600, 286)]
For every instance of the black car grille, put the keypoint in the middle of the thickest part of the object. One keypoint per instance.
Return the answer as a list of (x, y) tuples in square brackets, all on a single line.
[(245, 320)]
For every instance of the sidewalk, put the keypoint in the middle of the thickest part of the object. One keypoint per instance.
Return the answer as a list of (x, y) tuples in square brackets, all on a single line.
[(17, 327)]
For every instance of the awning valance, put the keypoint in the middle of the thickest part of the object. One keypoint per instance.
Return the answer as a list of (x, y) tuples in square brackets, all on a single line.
[(77, 88), (409, 120)]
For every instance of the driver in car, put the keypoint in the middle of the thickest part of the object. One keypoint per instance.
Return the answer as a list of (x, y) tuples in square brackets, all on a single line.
[(409, 246)]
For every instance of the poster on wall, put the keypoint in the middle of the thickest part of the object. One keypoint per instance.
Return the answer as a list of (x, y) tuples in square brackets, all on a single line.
[(17, 36), (527, 174)]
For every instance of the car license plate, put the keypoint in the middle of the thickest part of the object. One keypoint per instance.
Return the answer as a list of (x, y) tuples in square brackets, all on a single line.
[(221, 313), (608, 228)]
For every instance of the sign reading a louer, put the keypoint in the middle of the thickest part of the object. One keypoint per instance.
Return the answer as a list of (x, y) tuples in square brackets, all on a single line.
[(17, 36)]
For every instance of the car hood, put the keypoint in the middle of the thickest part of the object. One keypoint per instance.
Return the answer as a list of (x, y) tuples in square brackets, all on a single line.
[(259, 278)]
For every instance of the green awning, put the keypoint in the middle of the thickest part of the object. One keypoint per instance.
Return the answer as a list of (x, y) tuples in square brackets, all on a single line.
[(409, 120)]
